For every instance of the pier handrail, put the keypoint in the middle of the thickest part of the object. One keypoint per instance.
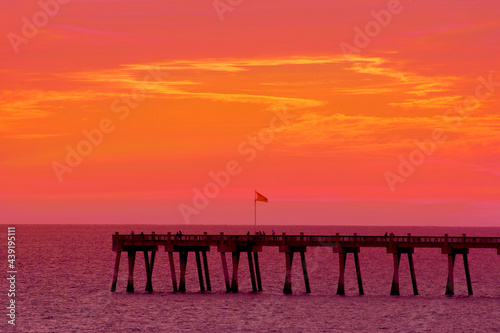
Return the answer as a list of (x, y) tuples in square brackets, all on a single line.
[(308, 240)]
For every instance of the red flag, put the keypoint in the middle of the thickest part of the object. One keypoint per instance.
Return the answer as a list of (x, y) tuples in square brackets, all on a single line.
[(260, 197)]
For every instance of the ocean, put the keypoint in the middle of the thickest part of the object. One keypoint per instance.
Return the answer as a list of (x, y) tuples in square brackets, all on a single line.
[(64, 274)]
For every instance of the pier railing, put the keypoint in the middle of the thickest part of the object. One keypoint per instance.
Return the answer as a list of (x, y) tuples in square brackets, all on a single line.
[(305, 240)]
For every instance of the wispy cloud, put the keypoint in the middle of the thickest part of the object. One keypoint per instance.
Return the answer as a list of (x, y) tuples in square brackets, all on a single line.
[(370, 135), (375, 76), (126, 77), (239, 65), (431, 103)]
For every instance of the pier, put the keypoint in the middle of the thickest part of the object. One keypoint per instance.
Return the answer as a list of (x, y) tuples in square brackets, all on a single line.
[(289, 245)]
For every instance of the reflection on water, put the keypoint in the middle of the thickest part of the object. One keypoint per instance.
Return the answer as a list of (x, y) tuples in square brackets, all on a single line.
[(65, 275)]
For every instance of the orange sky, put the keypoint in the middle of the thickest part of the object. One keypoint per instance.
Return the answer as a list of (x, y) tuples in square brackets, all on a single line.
[(215, 87)]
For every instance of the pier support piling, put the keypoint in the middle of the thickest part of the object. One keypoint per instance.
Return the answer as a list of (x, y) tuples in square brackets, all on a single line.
[(252, 265), (395, 278), (234, 282), (304, 271), (467, 274), (149, 269), (412, 272), (341, 286), (289, 253), (252, 271), (449, 282), (205, 266), (343, 251), (396, 254), (172, 271), (452, 252), (287, 289), (358, 273), (200, 272), (115, 272), (183, 255), (257, 270), (131, 263), (226, 273)]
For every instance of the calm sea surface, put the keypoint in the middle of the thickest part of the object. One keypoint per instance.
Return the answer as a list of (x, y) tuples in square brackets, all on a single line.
[(64, 278)]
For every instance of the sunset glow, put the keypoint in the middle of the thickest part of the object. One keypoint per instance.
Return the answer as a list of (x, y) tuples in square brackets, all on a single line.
[(122, 111)]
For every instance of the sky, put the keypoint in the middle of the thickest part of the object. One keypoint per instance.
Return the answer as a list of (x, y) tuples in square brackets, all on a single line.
[(175, 112)]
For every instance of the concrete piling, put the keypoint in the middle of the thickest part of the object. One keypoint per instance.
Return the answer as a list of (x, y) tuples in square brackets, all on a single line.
[(115, 272), (131, 264)]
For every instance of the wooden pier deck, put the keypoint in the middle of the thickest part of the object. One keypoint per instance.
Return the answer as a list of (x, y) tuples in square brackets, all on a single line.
[(287, 244)]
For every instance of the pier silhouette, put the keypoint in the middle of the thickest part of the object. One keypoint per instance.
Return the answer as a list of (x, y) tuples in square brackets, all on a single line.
[(289, 245)]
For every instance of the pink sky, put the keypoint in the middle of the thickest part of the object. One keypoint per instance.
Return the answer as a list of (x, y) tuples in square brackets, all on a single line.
[(215, 84)]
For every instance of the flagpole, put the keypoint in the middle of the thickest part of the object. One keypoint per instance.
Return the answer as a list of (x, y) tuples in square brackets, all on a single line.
[(255, 212)]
